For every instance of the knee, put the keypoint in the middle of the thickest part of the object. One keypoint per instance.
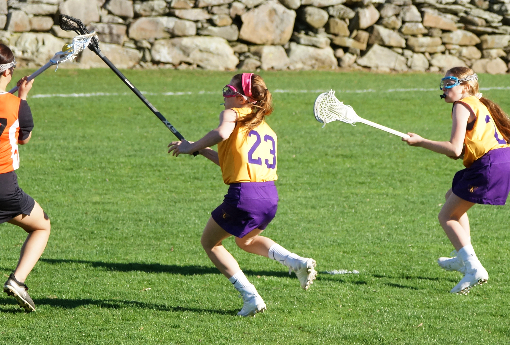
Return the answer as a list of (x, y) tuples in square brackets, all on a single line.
[(441, 218), (48, 226), (205, 243), (243, 243), (444, 217), (45, 224), (447, 195)]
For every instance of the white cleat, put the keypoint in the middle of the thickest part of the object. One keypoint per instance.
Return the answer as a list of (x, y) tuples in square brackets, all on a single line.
[(304, 270), (253, 304), (451, 264), (474, 276)]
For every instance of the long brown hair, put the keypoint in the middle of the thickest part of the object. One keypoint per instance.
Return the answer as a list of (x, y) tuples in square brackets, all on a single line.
[(263, 102), (500, 117)]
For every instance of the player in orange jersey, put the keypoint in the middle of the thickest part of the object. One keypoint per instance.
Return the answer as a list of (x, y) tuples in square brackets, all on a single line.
[(481, 135), (17, 207), (247, 158)]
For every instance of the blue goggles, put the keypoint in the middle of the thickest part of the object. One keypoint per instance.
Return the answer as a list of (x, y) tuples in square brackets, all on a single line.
[(449, 82)]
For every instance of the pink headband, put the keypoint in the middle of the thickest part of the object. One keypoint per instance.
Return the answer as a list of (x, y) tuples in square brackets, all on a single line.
[(246, 82)]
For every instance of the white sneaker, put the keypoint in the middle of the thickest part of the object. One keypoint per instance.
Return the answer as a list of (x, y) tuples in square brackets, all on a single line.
[(451, 264), (472, 277), (253, 304), (304, 270)]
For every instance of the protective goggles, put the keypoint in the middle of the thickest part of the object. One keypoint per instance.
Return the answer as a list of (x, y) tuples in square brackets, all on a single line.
[(230, 91), (449, 82)]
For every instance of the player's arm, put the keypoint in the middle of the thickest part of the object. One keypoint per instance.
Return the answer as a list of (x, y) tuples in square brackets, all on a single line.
[(217, 135), (26, 123), (211, 155), (454, 147)]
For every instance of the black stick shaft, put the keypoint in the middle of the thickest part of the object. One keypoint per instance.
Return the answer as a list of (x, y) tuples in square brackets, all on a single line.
[(35, 74), (139, 94)]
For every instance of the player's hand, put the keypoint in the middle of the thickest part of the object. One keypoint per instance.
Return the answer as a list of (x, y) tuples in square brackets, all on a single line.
[(178, 147), (413, 140), (24, 87)]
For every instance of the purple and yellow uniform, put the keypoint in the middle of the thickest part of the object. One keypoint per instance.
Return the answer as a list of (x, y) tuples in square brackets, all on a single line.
[(248, 165), (482, 135), (486, 179), (251, 158)]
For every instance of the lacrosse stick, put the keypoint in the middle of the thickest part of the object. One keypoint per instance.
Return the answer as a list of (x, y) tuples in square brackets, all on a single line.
[(69, 52), (68, 23), (328, 108)]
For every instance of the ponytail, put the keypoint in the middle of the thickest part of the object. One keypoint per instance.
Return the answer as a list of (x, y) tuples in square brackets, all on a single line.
[(500, 118), (259, 95)]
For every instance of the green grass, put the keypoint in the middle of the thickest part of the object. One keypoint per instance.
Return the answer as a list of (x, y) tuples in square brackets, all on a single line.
[(124, 264)]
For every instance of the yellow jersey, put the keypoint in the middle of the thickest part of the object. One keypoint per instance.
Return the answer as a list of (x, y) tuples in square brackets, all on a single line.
[(483, 136), (251, 158)]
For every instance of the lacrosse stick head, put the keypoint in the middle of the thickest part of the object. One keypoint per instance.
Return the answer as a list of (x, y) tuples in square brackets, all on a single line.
[(68, 23), (328, 108), (71, 50)]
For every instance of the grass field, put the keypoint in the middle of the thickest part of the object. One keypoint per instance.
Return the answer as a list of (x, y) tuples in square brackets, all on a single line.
[(124, 264)]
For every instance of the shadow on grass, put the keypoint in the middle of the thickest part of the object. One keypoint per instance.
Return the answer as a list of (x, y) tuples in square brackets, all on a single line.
[(8, 304), (158, 268), (364, 279)]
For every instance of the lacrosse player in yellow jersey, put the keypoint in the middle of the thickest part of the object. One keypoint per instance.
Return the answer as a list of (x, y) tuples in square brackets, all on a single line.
[(247, 156), (481, 135)]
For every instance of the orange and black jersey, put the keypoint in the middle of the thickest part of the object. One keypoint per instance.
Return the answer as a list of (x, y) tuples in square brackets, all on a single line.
[(16, 123)]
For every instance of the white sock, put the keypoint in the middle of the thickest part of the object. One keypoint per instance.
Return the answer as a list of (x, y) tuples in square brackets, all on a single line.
[(457, 253), (280, 254), (241, 283), (467, 254)]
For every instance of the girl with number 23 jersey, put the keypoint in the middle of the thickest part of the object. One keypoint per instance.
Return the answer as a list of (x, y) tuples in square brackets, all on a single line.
[(247, 156)]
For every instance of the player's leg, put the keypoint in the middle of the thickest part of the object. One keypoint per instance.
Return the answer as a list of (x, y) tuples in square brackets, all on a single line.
[(449, 217), (304, 268), (211, 240), (37, 225), (454, 263), (452, 216), (255, 244)]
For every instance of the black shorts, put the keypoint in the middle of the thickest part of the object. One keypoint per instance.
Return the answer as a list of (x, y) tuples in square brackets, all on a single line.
[(13, 200)]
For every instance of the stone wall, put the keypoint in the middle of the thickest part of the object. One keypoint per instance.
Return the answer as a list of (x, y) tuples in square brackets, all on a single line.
[(382, 35)]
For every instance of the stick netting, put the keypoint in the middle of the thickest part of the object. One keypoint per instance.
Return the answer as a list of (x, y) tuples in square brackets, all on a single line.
[(328, 109), (78, 44)]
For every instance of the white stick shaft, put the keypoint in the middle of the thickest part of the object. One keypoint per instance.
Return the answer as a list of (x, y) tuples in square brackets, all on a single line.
[(386, 129), (35, 74)]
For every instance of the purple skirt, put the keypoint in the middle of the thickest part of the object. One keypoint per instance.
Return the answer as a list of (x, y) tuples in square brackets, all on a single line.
[(247, 206), (487, 180)]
